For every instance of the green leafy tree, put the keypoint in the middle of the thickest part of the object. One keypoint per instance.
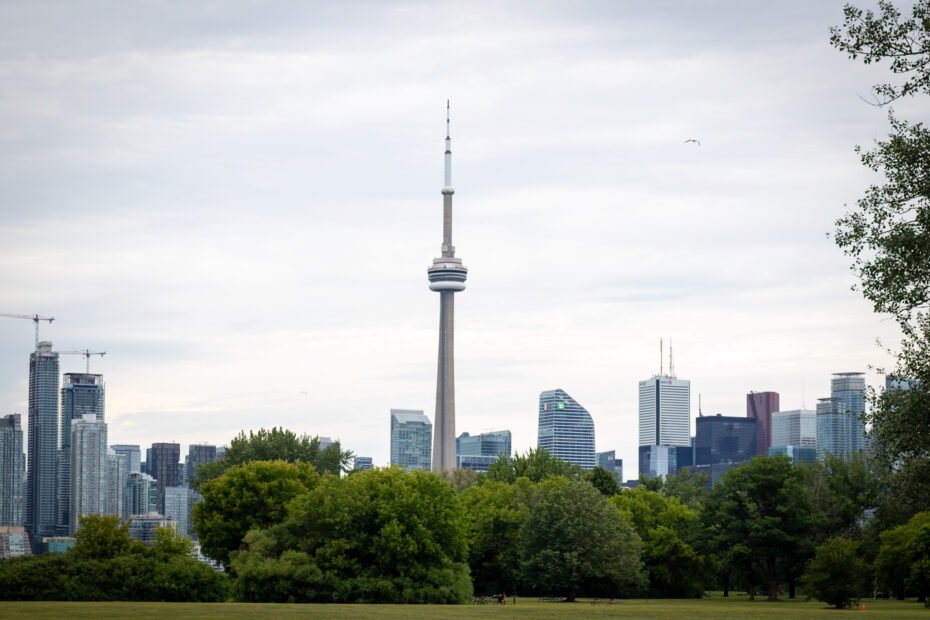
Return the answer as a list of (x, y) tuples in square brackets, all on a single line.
[(253, 495), (837, 575), (574, 541), (900, 551), (761, 522), (102, 537), (277, 444), (603, 481), (887, 235), (494, 513), (842, 491), (690, 488), (384, 535), (667, 528), (536, 465)]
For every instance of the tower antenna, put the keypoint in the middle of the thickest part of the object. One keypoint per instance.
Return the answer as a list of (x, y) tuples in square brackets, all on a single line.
[(671, 358), (661, 358)]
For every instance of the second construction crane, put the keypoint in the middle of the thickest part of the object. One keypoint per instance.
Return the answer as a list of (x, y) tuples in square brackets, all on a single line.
[(86, 353)]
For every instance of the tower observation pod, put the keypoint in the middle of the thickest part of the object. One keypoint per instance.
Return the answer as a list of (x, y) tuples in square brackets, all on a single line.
[(447, 277)]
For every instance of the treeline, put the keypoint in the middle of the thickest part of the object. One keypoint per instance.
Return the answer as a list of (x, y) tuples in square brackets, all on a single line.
[(533, 525), (107, 565)]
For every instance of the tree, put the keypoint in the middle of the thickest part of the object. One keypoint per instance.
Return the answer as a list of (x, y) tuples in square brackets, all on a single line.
[(837, 575), (494, 513), (902, 548), (380, 536), (887, 235), (667, 528), (277, 444), (842, 491), (254, 495), (535, 465), (102, 537), (760, 521), (574, 540), (603, 481)]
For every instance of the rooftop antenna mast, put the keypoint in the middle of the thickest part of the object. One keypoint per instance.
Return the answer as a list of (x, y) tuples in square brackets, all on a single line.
[(671, 359), (661, 358)]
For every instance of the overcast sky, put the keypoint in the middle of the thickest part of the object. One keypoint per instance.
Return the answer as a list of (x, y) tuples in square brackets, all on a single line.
[(238, 202)]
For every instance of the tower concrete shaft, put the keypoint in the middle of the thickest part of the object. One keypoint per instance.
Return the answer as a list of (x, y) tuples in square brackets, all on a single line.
[(447, 277)]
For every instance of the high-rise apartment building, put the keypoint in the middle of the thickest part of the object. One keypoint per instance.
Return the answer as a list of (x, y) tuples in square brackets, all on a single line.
[(840, 418), (664, 420), (197, 455), (42, 469), (761, 406), (722, 442), (144, 527), (164, 468), (117, 477), (133, 455), (11, 471), (411, 439), (88, 469), (81, 395), (177, 508), (565, 429), (141, 495)]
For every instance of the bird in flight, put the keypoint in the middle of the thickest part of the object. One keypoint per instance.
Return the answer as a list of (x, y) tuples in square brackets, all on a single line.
[(698, 142)]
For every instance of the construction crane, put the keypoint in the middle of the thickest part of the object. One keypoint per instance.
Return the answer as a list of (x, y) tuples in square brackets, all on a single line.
[(35, 318), (86, 353)]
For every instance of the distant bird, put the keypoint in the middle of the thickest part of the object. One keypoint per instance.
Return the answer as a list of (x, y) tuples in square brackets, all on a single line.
[(698, 142)]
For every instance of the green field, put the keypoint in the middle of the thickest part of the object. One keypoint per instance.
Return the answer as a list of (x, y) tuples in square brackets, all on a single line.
[(708, 608)]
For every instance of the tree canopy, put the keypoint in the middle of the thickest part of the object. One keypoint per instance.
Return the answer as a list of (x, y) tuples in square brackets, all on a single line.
[(887, 234), (276, 444)]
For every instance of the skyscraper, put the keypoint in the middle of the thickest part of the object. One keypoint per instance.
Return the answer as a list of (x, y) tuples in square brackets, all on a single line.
[(88, 469), (566, 429), (411, 436), (664, 420), (197, 455), (164, 468), (840, 421), (11, 471), (761, 406), (797, 427), (722, 442), (81, 395), (141, 495), (133, 455), (849, 388), (447, 276), (41, 476), (117, 477), (177, 508)]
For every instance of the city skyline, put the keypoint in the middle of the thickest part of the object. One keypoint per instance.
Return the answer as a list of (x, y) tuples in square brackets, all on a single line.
[(188, 201)]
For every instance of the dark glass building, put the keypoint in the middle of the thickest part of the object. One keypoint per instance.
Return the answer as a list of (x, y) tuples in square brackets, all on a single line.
[(42, 470), (722, 442), (164, 468)]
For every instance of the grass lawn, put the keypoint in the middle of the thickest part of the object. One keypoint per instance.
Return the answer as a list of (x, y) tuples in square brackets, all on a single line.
[(710, 608)]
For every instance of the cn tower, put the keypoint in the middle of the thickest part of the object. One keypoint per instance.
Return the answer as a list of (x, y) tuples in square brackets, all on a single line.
[(447, 277)]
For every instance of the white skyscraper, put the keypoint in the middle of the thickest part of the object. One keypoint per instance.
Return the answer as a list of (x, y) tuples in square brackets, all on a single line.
[(797, 427), (665, 411)]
